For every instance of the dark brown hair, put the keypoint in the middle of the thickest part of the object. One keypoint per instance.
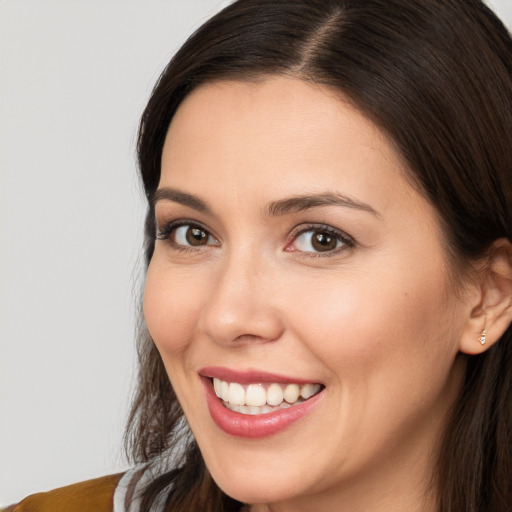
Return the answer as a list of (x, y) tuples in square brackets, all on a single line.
[(436, 77)]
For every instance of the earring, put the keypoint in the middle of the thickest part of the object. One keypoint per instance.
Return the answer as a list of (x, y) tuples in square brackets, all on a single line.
[(482, 338)]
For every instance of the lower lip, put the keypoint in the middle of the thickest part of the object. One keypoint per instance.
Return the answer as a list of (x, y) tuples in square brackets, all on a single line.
[(254, 426)]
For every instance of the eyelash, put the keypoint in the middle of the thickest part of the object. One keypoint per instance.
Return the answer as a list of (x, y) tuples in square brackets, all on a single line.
[(340, 236), (166, 232)]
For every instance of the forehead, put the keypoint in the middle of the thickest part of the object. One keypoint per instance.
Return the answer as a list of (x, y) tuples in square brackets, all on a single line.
[(298, 132), (276, 110)]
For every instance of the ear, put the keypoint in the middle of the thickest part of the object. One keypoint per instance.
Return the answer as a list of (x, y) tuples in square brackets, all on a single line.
[(492, 300)]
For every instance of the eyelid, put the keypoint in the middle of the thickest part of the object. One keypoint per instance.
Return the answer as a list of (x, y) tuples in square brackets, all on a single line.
[(346, 239), (164, 232)]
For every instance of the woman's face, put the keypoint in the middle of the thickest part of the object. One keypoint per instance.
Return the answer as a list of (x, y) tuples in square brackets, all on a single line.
[(294, 257)]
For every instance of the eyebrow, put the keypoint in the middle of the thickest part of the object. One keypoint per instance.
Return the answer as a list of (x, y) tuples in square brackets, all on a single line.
[(274, 208), (171, 194), (301, 203)]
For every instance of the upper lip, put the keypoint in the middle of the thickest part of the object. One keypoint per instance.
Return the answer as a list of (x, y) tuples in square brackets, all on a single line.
[(250, 376)]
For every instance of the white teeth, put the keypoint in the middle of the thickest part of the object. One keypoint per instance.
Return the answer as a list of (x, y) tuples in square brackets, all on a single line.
[(275, 394), (256, 395), (236, 394), (308, 390), (224, 391), (262, 398), (291, 393), (216, 386)]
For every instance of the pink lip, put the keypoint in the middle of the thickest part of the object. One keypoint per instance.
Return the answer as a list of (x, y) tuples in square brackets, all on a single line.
[(262, 425), (248, 376)]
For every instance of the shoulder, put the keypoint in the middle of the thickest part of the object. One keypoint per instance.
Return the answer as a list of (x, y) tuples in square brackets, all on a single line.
[(92, 495)]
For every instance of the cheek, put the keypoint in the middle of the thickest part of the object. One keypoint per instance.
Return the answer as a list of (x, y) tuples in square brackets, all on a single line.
[(370, 325), (388, 345), (171, 308)]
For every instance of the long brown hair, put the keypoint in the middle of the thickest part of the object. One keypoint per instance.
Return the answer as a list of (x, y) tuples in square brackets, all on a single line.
[(436, 77)]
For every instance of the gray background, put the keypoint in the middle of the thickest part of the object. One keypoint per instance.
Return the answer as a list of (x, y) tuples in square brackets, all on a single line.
[(75, 75)]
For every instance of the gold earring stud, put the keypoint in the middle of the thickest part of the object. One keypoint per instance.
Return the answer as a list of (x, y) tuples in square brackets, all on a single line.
[(482, 338)]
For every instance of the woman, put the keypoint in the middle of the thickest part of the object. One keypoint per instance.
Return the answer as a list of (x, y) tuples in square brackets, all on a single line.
[(327, 301)]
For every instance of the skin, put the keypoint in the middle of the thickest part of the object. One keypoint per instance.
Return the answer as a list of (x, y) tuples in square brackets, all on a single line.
[(376, 321)]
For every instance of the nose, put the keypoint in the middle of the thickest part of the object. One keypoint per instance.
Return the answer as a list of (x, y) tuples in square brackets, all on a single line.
[(241, 307)]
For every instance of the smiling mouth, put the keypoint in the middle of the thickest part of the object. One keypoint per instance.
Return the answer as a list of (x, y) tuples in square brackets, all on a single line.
[(262, 398)]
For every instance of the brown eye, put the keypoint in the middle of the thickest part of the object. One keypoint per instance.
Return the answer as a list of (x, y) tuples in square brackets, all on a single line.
[(192, 236), (196, 236), (321, 240)]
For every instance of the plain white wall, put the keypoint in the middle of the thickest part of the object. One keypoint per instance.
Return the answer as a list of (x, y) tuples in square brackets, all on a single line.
[(75, 75)]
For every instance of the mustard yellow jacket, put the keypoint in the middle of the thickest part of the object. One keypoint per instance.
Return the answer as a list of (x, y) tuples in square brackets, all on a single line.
[(91, 496)]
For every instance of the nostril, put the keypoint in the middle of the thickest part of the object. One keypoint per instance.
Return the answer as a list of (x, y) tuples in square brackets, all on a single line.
[(245, 326)]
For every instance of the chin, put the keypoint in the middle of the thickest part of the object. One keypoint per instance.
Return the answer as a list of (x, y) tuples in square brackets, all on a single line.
[(257, 491), (258, 477)]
